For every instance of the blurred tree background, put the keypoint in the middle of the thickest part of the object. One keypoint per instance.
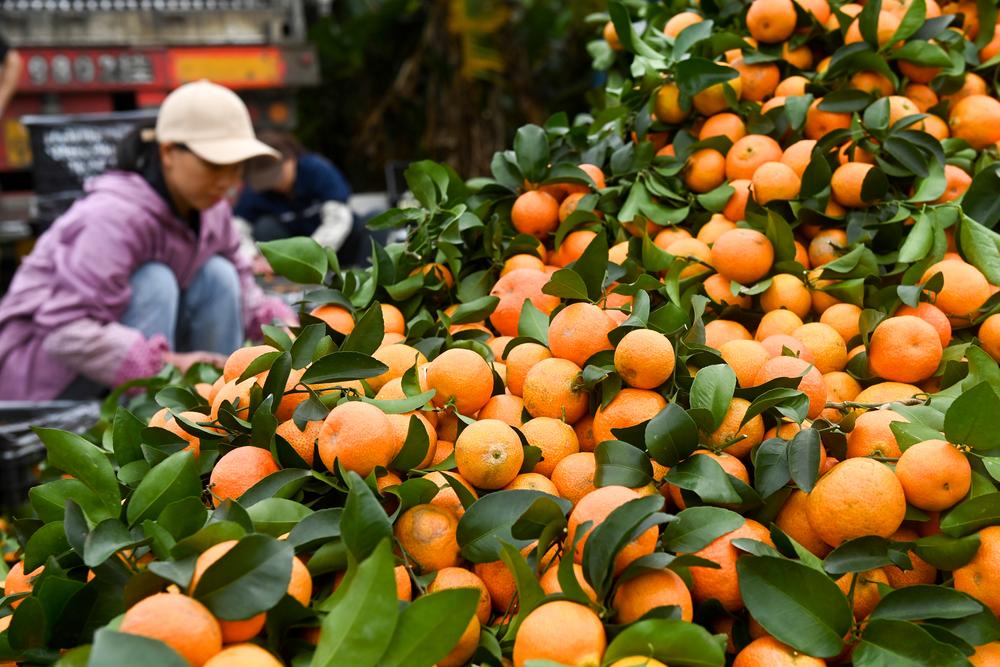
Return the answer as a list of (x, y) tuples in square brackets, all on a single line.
[(449, 80)]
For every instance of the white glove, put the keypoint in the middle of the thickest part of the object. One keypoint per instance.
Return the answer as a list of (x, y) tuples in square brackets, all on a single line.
[(248, 247), (337, 223)]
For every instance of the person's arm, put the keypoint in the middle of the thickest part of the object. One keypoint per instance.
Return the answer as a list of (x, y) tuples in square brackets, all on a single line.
[(91, 272), (10, 74)]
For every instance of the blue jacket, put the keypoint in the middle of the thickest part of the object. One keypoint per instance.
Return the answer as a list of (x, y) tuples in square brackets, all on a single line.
[(316, 181)]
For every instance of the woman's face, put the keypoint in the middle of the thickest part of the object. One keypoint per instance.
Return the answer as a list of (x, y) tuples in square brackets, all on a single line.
[(194, 182)]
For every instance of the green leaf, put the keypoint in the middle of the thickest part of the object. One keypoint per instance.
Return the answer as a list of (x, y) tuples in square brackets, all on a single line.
[(798, 605), (712, 392), (626, 32), (980, 201), (803, 458), (968, 419), (299, 258), (364, 523), (172, 480), (533, 323), (671, 435), (248, 579), (281, 484), (903, 644), (339, 366), (696, 74), (306, 343), (529, 591), (566, 284), (363, 614), (972, 515), (367, 333), (430, 627), (127, 437), (674, 642), (919, 241), (116, 649), (592, 266), (980, 247), (532, 150), (277, 516), (858, 555), (611, 536), (107, 537), (475, 310), (84, 461), (48, 540), (415, 447), (770, 462), (947, 553), (488, 521), (319, 527), (697, 527), (621, 464), (706, 478), (920, 602)]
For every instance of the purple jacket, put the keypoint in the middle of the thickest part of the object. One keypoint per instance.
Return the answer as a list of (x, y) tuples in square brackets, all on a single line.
[(60, 316)]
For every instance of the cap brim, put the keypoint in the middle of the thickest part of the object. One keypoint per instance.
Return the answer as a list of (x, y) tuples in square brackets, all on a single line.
[(231, 151)]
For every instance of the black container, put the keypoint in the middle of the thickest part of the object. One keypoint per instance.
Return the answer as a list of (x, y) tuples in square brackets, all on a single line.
[(68, 149), (20, 449)]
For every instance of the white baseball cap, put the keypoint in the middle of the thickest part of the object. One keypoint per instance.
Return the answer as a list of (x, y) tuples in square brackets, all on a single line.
[(212, 121)]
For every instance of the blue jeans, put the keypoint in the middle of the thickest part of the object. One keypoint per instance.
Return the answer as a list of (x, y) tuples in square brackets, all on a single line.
[(206, 317)]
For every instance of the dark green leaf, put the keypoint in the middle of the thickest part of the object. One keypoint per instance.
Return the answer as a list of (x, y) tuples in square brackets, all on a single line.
[(364, 523), (696, 527), (671, 435), (671, 641), (116, 649), (532, 150), (340, 366), (611, 536), (803, 458), (858, 555), (972, 515), (890, 642), (249, 578), (299, 258), (968, 420), (83, 460), (920, 602), (173, 479), (712, 391), (488, 521), (798, 605), (430, 627), (621, 464), (363, 614)]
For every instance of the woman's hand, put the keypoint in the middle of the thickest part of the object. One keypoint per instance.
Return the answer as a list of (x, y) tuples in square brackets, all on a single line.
[(185, 360)]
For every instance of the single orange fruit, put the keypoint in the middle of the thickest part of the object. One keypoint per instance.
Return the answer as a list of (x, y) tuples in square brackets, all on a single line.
[(427, 534), (574, 476), (628, 408), (934, 475), (336, 317), (555, 438), (857, 497), (976, 119), (579, 331), (180, 622), (965, 289), (560, 631), (551, 389), (536, 213), (657, 588), (771, 21), (745, 357), (243, 655), (459, 577), (749, 153), (768, 651), (462, 377), (238, 470), (743, 255), (904, 349), (644, 358), (980, 577), (359, 435), (489, 454)]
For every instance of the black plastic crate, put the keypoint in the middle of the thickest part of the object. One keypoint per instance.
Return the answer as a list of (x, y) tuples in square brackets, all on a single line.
[(20, 449)]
